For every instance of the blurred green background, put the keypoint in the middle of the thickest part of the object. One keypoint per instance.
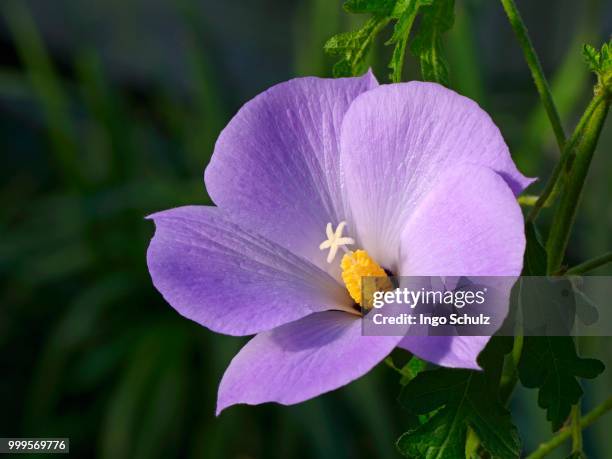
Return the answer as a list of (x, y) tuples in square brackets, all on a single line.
[(109, 111)]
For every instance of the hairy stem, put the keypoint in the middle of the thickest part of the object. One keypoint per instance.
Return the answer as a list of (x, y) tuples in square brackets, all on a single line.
[(592, 264), (510, 375), (580, 158), (553, 184), (576, 429), (535, 67), (546, 448)]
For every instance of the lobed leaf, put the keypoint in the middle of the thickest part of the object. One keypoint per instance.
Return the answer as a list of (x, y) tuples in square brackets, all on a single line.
[(406, 13), (461, 404), (552, 365), (437, 18), (600, 62), (353, 47)]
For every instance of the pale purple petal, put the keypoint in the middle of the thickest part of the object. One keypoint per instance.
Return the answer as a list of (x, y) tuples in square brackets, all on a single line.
[(301, 360), (276, 165), (231, 280), (396, 141), (447, 351), (468, 225)]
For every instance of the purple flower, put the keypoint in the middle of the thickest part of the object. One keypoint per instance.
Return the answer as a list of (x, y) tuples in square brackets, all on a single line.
[(318, 181)]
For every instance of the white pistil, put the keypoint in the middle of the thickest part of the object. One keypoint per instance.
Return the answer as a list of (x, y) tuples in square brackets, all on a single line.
[(335, 240)]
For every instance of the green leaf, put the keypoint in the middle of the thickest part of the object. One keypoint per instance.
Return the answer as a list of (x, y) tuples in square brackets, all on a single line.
[(405, 11), (353, 47), (427, 46), (591, 56), (409, 370), (492, 357), (534, 261), (552, 365), (464, 404), (600, 62), (383, 7)]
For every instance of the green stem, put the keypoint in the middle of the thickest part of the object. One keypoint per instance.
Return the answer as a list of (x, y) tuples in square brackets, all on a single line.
[(565, 214), (511, 377), (576, 429), (546, 448), (535, 67), (552, 186), (590, 265), (575, 420)]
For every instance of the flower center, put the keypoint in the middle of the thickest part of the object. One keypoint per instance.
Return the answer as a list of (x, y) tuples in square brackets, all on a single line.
[(362, 277), (356, 266)]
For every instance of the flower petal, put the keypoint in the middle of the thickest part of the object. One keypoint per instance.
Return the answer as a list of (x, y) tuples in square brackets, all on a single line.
[(468, 225), (301, 360), (396, 140), (276, 164), (230, 280), (447, 351)]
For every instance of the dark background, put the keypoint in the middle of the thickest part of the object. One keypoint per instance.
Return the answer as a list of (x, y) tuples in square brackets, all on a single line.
[(109, 111)]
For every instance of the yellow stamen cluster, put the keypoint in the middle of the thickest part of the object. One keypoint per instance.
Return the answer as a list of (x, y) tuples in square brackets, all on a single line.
[(358, 265)]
